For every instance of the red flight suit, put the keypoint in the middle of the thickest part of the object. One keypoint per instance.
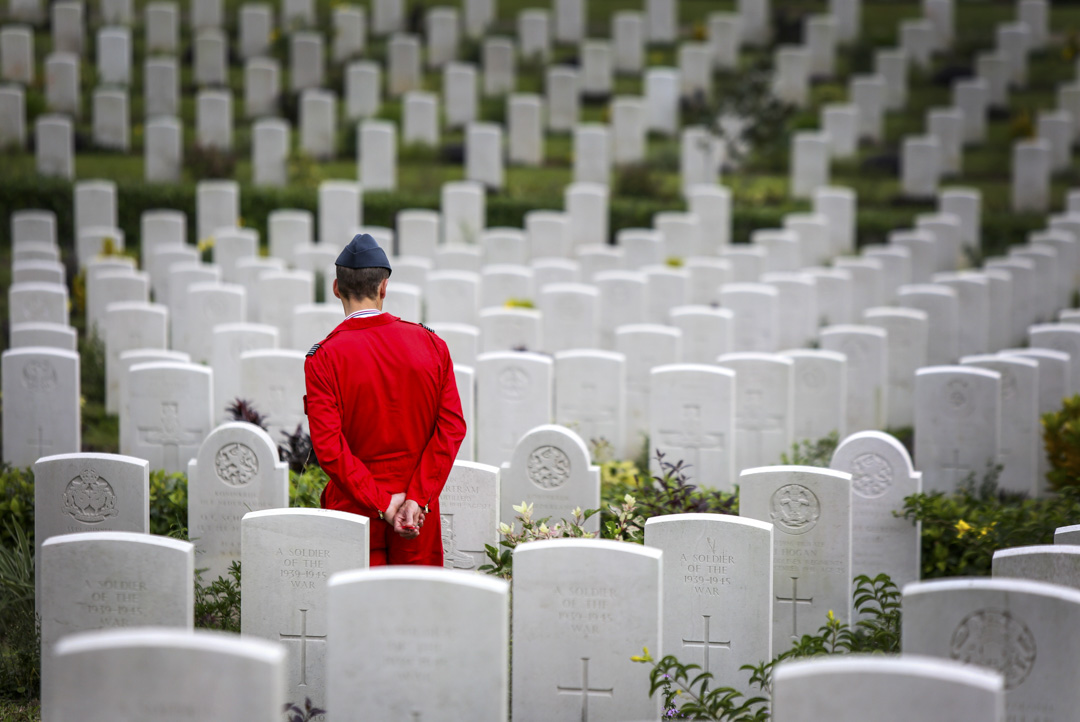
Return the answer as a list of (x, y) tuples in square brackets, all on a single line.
[(385, 417)]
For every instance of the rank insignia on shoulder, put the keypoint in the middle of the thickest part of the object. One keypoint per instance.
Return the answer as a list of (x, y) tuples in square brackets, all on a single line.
[(427, 328), (313, 350)]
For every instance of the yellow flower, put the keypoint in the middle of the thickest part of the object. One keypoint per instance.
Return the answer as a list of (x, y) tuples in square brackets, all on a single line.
[(962, 528), (204, 244), (832, 617), (643, 657), (987, 529)]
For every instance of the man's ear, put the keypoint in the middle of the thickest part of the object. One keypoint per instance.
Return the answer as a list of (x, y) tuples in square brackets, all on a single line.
[(382, 287), (337, 293)]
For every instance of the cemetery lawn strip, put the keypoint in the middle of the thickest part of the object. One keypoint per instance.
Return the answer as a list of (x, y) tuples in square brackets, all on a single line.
[(13, 711)]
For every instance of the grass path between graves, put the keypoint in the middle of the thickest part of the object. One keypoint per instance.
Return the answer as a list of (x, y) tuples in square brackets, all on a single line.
[(11, 711)]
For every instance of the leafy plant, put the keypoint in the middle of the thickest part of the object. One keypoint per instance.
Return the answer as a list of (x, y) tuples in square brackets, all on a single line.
[(20, 634), (305, 490), (296, 713), (812, 453), (670, 492), (961, 532), (16, 504), (502, 560), (217, 606), (297, 450), (243, 410), (1061, 436), (168, 504)]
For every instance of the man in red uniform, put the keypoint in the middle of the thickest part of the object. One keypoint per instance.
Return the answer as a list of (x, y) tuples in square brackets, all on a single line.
[(384, 413)]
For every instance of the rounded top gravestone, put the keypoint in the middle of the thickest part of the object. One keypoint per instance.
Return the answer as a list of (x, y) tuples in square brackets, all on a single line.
[(200, 676), (887, 689)]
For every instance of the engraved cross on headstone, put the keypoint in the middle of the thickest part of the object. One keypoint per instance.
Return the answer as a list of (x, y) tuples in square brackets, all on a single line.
[(39, 441), (757, 423), (303, 638), (706, 643), (585, 690), (957, 470), (590, 412), (794, 601), (170, 434), (692, 437)]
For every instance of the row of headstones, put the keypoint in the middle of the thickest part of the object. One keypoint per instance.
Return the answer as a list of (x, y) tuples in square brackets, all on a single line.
[(590, 601), (927, 159), (224, 304)]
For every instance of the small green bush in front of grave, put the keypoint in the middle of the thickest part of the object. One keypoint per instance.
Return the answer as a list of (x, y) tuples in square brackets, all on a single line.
[(1061, 435), (688, 694), (20, 645), (168, 504), (16, 504), (217, 604), (812, 453), (961, 532)]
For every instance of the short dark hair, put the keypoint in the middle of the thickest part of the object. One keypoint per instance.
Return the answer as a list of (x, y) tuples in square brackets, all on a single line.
[(360, 283)]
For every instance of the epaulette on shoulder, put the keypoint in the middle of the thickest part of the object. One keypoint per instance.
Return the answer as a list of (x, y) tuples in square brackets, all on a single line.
[(313, 350), (427, 328)]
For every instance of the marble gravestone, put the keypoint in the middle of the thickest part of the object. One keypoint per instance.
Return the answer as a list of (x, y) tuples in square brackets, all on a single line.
[(1014, 626), (434, 661), (165, 412), (810, 509), (1053, 563), (1067, 535), (200, 676), (43, 385), (273, 379), (582, 608), (513, 395), (1021, 432), (692, 420), (106, 579), (764, 407), (590, 397), (288, 557), (552, 472), (718, 592), (957, 424), (236, 471), (85, 492), (820, 390), (469, 514), (901, 688), (882, 476)]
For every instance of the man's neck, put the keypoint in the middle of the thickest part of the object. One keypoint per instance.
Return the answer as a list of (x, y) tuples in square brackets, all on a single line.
[(352, 306)]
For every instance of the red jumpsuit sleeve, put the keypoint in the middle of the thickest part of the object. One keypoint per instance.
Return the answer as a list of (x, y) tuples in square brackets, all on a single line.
[(435, 463), (328, 440)]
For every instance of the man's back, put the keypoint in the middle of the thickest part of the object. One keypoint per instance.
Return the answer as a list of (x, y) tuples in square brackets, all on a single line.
[(384, 413)]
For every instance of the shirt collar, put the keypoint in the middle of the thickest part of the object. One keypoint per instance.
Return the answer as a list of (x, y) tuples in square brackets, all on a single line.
[(364, 313)]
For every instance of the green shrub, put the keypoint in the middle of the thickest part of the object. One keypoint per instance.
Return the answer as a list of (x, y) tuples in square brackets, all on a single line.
[(20, 639), (217, 605), (1061, 435), (16, 504), (168, 504), (305, 490), (812, 453), (961, 532)]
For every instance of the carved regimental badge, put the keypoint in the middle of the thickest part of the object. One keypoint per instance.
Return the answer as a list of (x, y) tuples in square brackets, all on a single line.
[(871, 476), (794, 508), (549, 468), (998, 640), (236, 464), (89, 498), (39, 375), (959, 402)]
